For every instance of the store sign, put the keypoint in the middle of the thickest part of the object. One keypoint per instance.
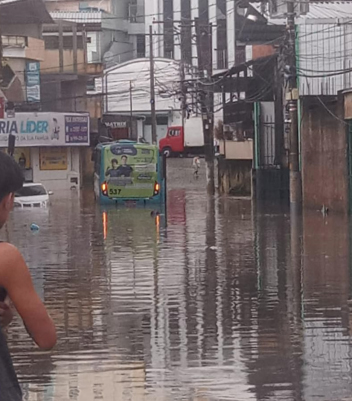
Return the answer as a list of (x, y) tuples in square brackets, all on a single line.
[(76, 129), (46, 129), (53, 158), (116, 124), (33, 81)]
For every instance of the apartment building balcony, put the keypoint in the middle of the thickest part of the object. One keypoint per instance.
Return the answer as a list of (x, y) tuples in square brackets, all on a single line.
[(66, 52), (69, 64), (23, 47), (66, 62)]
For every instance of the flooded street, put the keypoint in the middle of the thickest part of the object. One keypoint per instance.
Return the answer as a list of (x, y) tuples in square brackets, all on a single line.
[(227, 302)]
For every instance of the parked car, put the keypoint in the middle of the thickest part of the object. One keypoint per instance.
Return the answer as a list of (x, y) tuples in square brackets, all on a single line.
[(32, 195)]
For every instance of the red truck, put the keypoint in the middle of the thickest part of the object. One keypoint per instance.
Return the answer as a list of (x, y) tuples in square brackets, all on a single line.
[(181, 141)]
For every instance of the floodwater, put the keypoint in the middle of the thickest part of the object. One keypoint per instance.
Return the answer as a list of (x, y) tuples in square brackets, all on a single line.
[(226, 303)]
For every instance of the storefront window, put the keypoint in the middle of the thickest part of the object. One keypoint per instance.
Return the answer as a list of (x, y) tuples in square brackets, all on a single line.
[(53, 158)]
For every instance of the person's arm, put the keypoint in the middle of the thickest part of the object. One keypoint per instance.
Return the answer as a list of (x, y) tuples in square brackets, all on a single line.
[(16, 279)]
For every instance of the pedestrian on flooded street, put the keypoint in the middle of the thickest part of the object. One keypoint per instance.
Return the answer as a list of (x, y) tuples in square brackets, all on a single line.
[(16, 287), (196, 166)]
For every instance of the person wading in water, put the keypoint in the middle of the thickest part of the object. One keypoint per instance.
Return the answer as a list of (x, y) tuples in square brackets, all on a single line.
[(196, 166), (16, 286)]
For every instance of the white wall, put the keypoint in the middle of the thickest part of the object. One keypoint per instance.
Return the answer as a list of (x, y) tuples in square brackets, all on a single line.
[(94, 47), (161, 131), (231, 45), (154, 12), (57, 180), (140, 129), (138, 71), (145, 131), (194, 14)]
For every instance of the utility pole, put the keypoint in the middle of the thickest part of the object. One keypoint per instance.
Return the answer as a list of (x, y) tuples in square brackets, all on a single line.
[(206, 100), (2, 99), (183, 92), (131, 109), (152, 85), (1, 57), (292, 97)]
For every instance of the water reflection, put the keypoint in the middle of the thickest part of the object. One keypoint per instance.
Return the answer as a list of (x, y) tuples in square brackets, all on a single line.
[(226, 303)]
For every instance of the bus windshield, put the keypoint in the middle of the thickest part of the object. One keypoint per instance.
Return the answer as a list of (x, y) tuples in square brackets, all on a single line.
[(131, 170)]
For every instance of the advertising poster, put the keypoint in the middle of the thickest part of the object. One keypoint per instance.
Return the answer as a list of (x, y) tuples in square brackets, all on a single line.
[(46, 129), (33, 81), (22, 156), (53, 158), (76, 129), (131, 171)]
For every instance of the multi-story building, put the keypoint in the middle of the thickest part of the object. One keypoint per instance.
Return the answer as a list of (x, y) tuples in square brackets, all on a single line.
[(114, 30), (49, 138), (22, 43), (178, 40), (118, 31)]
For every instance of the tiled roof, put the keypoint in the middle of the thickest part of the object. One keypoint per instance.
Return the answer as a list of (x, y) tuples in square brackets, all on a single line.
[(81, 17), (330, 9)]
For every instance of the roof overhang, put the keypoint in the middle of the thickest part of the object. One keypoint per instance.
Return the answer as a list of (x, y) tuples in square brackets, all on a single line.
[(236, 69), (24, 12)]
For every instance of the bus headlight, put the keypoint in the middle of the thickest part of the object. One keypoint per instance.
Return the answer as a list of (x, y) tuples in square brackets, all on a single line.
[(104, 188), (156, 188)]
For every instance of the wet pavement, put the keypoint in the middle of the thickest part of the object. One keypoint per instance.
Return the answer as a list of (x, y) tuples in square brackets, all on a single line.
[(227, 302)]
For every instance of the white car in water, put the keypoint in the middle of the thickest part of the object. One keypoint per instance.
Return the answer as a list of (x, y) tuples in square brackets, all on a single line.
[(32, 195)]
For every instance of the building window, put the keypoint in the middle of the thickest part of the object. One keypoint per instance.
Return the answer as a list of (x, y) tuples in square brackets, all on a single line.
[(133, 10), (53, 158), (222, 44), (52, 42), (91, 84), (140, 46), (186, 32), (168, 28), (204, 10), (68, 42), (160, 120)]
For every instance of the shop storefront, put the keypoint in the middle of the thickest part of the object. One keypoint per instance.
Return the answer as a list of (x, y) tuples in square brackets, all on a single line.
[(48, 146)]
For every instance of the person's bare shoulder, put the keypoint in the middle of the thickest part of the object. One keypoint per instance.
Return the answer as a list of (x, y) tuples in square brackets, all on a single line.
[(11, 261), (16, 279)]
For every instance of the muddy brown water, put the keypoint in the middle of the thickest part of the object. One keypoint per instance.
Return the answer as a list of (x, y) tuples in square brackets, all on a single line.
[(227, 302)]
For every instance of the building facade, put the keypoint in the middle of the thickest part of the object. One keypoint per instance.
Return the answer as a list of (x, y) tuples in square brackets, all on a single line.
[(126, 98), (48, 146), (114, 28), (177, 40)]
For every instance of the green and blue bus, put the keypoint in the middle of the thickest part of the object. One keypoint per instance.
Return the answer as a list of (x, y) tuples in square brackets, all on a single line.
[(129, 173)]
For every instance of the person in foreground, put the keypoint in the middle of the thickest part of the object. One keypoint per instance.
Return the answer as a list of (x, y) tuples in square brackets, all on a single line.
[(16, 286)]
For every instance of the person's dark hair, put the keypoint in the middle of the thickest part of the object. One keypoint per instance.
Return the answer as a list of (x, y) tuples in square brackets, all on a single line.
[(114, 161), (124, 157), (11, 176)]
